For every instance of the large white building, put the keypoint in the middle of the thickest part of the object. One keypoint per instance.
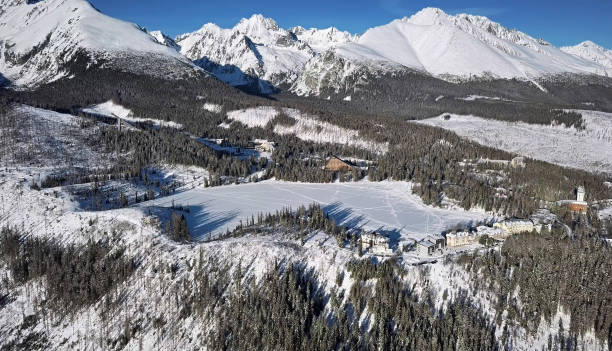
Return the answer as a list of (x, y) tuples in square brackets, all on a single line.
[(470, 238), (515, 226), (263, 145), (430, 244), (376, 243)]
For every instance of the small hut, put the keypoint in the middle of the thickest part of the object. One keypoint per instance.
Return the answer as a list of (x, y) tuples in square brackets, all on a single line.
[(336, 164)]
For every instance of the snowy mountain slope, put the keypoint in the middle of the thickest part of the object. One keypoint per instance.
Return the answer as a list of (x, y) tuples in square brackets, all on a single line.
[(164, 40), (323, 39), (38, 40), (451, 47), (590, 51), (258, 52), (255, 47), (147, 310)]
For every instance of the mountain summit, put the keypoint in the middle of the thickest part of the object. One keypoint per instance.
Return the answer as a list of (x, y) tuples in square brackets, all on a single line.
[(452, 47), (40, 40), (254, 51), (592, 52)]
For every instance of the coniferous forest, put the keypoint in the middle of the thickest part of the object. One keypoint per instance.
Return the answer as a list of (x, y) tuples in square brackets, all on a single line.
[(306, 281)]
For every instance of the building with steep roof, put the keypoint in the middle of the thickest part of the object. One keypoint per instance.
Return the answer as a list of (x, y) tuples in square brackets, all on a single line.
[(336, 164), (425, 248)]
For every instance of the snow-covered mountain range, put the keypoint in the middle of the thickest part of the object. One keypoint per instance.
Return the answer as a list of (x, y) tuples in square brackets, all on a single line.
[(592, 52), (256, 48), (432, 42), (450, 47), (39, 39)]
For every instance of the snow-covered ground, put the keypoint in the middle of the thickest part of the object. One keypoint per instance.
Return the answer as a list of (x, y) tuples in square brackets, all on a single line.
[(214, 108), (589, 149), (48, 139), (387, 206), (481, 97), (152, 293), (152, 290), (111, 109), (306, 127), (606, 213)]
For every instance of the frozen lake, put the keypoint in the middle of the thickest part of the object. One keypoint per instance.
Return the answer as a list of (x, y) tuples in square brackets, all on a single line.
[(385, 206)]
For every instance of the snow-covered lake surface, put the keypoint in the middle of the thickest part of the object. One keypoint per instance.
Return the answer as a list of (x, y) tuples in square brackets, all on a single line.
[(386, 206), (589, 149)]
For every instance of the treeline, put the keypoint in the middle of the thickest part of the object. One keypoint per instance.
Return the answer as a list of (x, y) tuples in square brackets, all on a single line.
[(550, 272), (75, 276), (299, 223), (413, 95), (177, 228), (286, 311)]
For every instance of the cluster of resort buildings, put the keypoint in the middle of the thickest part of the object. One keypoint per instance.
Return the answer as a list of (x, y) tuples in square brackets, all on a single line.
[(379, 244)]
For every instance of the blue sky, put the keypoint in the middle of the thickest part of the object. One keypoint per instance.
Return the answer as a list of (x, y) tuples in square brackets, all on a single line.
[(559, 22)]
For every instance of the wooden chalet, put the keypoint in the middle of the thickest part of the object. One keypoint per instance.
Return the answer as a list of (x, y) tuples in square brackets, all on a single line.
[(336, 164)]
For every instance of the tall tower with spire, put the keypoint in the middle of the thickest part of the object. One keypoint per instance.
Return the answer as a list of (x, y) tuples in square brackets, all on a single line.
[(580, 194)]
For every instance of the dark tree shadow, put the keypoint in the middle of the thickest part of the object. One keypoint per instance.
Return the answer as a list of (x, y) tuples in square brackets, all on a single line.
[(345, 216), (4, 82), (393, 234), (202, 223)]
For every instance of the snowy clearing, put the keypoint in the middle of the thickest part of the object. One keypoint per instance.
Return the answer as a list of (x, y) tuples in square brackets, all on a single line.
[(307, 127), (388, 206), (44, 138), (254, 117), (112, 109), (589, 149), (214, 108), (481, 97)]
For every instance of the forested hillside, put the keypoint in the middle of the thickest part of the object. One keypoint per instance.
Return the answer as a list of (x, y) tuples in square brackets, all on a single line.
[(437, 160)]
